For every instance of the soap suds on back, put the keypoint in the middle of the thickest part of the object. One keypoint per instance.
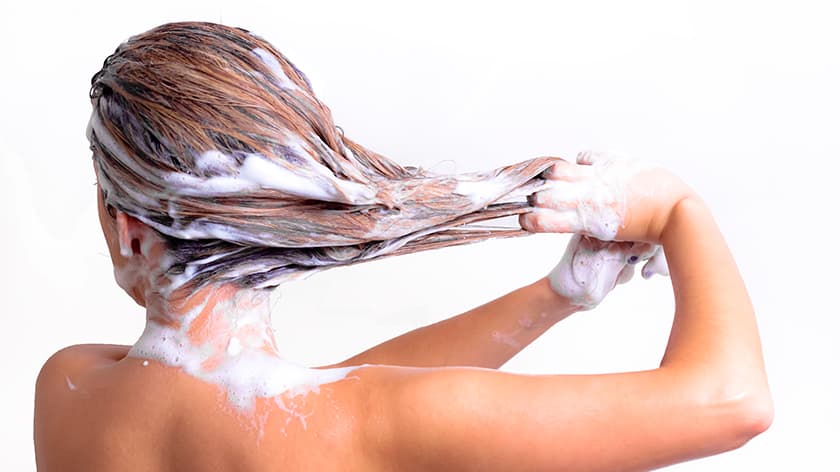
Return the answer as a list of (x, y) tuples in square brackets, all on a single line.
[(247, 366)]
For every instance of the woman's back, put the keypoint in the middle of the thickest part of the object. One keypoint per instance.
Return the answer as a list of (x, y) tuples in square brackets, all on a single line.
[(130, 414)]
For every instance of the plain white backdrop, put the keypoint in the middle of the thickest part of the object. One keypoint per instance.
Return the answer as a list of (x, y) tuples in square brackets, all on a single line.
[(739, 98)]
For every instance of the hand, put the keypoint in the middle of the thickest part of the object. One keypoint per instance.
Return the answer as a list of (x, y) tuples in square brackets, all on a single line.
[(607, 197), (591, 268)]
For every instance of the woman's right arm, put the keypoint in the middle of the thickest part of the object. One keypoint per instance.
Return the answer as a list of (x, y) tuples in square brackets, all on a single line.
[(709, 394)]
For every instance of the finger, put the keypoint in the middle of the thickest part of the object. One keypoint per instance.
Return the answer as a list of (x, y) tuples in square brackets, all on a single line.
[(549, 221), (607, 270), (589, 158), (559, 195), (656, 265), (640, 252), (647, 250), (586, 158), (625, 275), (576, 241), (595, 244), (626, 247), (555, 161), (565, 171)]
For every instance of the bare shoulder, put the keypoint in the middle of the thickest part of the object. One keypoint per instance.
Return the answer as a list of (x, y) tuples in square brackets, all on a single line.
[(79, 394), (73, 362), (79, 356)]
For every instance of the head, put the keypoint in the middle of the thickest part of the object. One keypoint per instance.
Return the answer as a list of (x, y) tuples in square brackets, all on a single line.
[(217, 163)]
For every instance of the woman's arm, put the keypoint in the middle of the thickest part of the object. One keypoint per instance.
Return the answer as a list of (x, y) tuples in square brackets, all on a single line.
[(714, 327), (709, 394), (486, 336)]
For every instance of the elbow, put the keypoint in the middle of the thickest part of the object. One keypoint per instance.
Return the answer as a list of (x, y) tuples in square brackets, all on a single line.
[(742, 417), (754, 415), (727, 411)]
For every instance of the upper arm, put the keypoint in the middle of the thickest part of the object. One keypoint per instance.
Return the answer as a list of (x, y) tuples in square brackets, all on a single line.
[(50, 408), (471, 419), (60, 379)]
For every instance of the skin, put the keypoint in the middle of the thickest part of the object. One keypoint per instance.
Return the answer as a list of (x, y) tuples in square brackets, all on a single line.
[(434, 401)]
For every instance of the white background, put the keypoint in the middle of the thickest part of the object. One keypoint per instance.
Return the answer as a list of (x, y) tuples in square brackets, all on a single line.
[(739, 99)]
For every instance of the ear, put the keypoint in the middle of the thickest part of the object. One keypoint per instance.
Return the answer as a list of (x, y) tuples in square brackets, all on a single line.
[(134, 236)]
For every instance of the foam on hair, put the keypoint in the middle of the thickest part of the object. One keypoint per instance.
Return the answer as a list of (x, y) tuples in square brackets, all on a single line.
[(210, 136)]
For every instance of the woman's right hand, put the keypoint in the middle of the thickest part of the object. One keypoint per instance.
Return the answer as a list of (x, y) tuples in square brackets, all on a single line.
[(606, 196)]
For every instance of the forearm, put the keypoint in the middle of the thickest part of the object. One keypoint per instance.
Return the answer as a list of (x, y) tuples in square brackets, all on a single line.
[(714, 339), (486, 336)]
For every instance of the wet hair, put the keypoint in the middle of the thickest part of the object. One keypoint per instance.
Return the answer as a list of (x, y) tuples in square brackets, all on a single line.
[(210, 136)]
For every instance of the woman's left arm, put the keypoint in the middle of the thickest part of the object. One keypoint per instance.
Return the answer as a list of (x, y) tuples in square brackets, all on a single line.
[(491, 334)]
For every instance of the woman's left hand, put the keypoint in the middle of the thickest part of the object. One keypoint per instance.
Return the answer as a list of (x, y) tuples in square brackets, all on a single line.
[(607, 196)]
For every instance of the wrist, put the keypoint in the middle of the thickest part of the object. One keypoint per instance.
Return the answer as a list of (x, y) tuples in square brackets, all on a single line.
[(665, 217), (553, 304), (681, 210)]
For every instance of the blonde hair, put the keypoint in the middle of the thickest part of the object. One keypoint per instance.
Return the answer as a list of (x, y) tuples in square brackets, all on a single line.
[(210, 136)]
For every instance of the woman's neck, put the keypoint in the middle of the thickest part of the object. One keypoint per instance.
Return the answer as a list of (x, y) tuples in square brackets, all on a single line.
[(217, 321), (223, 335)]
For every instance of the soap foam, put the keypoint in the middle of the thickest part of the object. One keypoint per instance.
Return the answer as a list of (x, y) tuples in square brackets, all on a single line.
[(282, 80), (247, 366), (594, 205), (591, 268)]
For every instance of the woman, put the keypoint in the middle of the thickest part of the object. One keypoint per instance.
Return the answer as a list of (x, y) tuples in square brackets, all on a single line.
[(221, 175)]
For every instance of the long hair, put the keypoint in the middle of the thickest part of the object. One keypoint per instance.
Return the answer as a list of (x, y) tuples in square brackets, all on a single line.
[(210, 136)]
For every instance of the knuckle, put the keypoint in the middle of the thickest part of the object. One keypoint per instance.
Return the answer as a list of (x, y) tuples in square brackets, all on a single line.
[(526, 221), (534, 222), (558, 171)]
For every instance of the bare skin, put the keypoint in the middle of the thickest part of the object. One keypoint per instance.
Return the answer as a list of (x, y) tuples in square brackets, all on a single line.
[(435, 402), (155, 417)]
